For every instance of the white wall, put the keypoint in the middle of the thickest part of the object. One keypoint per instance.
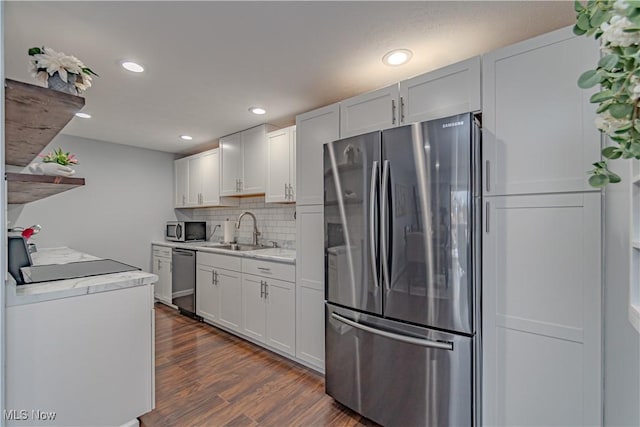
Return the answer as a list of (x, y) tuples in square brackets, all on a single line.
[(621, 341), (127, 198)]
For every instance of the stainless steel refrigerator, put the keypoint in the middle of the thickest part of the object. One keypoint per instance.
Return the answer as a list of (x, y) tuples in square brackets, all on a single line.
[(402, 284)]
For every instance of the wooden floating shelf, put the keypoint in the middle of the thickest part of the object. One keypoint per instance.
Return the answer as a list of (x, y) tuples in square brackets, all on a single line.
[(34, 115), (25, 188)]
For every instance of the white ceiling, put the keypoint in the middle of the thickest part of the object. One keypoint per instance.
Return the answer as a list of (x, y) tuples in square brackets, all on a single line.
[(208, 62)]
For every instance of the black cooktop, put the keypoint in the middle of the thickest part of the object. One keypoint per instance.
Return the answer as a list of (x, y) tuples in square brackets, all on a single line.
[(73, 270)]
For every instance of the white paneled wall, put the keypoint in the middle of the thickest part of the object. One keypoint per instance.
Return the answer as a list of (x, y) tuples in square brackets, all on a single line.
[(275, 222)]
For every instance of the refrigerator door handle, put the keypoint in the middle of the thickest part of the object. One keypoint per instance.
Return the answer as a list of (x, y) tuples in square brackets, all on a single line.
[(372, 227), (398, 337), (383, 225)]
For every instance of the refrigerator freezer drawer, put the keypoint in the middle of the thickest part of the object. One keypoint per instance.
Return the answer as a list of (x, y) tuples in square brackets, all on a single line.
[(398, 374)]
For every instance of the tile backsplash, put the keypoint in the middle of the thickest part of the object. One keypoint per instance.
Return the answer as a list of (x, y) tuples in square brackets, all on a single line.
[(275, 222)]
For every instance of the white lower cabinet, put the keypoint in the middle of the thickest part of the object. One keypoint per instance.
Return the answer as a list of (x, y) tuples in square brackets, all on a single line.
[(161, 266), (542, 337), (269, 311), (207, 293), (87, 358), (253, 298), (219, 290)]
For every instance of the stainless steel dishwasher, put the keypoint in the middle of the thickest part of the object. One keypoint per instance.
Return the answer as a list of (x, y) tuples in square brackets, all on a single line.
[(183, 281)]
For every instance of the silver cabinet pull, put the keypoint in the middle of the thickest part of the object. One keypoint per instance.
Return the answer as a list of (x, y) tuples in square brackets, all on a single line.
[(264, 269), (158, 264), (488, 173), (215, 273), (393, 111), (398, 337), (261, 289), (486, 214), (401, 110), (213, 277), (286, 192), (291, 196), (266, 290)]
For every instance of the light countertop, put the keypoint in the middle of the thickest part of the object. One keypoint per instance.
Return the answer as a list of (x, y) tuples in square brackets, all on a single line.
[(282, 255), (45, 291)]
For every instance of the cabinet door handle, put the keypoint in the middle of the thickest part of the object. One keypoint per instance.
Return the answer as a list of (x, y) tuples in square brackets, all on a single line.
[(488, 174), (216, 274), (291, 192), (486, 221), (286, 192), (393, 111), (213, 277), (264, 269), (261, 289), (401, 110), (158, 264), (266, 290)]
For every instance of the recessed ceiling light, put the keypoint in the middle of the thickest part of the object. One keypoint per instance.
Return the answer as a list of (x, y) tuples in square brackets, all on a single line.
[(83, 115), (186, 137), (397, 57), (132, 66), (257, 110)]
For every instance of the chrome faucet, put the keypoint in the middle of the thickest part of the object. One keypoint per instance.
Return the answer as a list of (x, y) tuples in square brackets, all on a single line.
[(256, 233)]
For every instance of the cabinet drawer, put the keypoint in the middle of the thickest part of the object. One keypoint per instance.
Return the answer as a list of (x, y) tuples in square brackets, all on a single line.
[(161, 251), (219, 261), (269, 269)]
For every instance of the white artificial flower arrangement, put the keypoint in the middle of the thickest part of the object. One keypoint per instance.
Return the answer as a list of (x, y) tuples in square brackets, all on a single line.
[(617, 25), (46, 62)]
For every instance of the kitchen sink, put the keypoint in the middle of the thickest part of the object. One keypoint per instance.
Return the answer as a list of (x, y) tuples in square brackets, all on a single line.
[(237, 247)]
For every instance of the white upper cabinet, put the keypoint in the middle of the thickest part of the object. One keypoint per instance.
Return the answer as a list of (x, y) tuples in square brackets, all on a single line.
[(230, 164), (538, 131), (314, 129), (181, 172), (447, 91), (195, 181), (210, 177), (242, 162), (281, 154), (369, 112), (254, 151), (198, 181)]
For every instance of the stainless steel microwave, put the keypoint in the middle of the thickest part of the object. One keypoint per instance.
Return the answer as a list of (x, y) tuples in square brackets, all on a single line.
[(186, 231)]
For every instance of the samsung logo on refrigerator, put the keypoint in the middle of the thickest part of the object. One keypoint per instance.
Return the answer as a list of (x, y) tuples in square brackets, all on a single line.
[(452, 124)]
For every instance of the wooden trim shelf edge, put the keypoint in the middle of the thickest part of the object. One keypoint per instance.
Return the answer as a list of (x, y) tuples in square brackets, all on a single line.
[(25, 188), (34, 115)]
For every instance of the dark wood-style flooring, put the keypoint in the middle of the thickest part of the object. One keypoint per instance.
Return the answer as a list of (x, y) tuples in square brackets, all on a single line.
[(207, 377)]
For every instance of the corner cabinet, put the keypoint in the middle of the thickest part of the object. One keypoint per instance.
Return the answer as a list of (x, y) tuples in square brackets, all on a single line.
[(242, 162), (281, 166), (34, 115), (197, 181)]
